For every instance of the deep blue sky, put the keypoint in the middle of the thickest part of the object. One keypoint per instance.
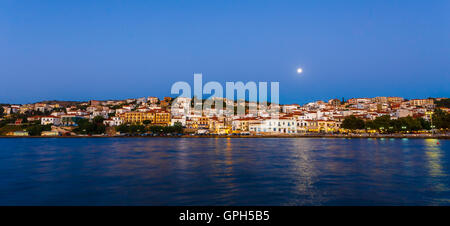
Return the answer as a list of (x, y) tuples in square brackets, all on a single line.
[(81, 50)]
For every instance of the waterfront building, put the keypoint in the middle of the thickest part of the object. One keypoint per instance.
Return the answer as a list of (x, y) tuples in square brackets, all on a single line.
[(217, 125), (328, 126), (137, 117), (18, 133), (302, 125), (242, 124), (162, 117), (157, 117), (282, 125), (198, 122), (178, 119), (50, 133)]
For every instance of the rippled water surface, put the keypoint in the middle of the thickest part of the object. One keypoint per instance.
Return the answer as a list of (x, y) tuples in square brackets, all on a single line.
[(218, 171)]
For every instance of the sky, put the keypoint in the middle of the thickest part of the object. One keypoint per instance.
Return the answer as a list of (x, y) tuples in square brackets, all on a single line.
[(82, 50)]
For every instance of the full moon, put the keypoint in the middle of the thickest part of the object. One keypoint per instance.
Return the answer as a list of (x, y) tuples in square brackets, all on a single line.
[(299, 70)]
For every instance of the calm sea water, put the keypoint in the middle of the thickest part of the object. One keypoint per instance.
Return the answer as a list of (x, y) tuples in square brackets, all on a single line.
[(210, 171)]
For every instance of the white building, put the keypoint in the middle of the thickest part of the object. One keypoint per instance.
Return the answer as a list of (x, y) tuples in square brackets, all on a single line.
[(180, 119), (289, 108), (103, 114), (114, 121), (51, 120), (41, 107), (57, 113), (302, 125), (400, 113), (141, 100), (281, 125), (122, 110)]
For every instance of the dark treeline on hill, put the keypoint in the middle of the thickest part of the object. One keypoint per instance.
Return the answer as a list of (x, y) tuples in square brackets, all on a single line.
[(34, 128), (65, 103), (154, 129), (96, 126), (443, 103), (440, 119), (87, 127)]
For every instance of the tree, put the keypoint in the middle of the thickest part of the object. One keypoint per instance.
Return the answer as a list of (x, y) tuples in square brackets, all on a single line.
[(441, 119), (156, 129), (443, 103), (36, 129), (413, 124), (123, 128), (388, 125), (178, 127), (137, 129), (146, 122), (98, 119), (81, 107), (3, 123), (424, 123), (352, 122), (381, 122), (86, 127), (1, 111)]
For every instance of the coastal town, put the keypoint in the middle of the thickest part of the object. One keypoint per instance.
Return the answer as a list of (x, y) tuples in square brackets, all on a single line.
[(151, 116)]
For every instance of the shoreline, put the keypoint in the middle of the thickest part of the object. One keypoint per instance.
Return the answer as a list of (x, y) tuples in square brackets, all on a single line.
[(255, 136)]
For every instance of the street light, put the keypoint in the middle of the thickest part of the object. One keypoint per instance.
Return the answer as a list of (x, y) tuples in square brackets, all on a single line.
[(432, 129)]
